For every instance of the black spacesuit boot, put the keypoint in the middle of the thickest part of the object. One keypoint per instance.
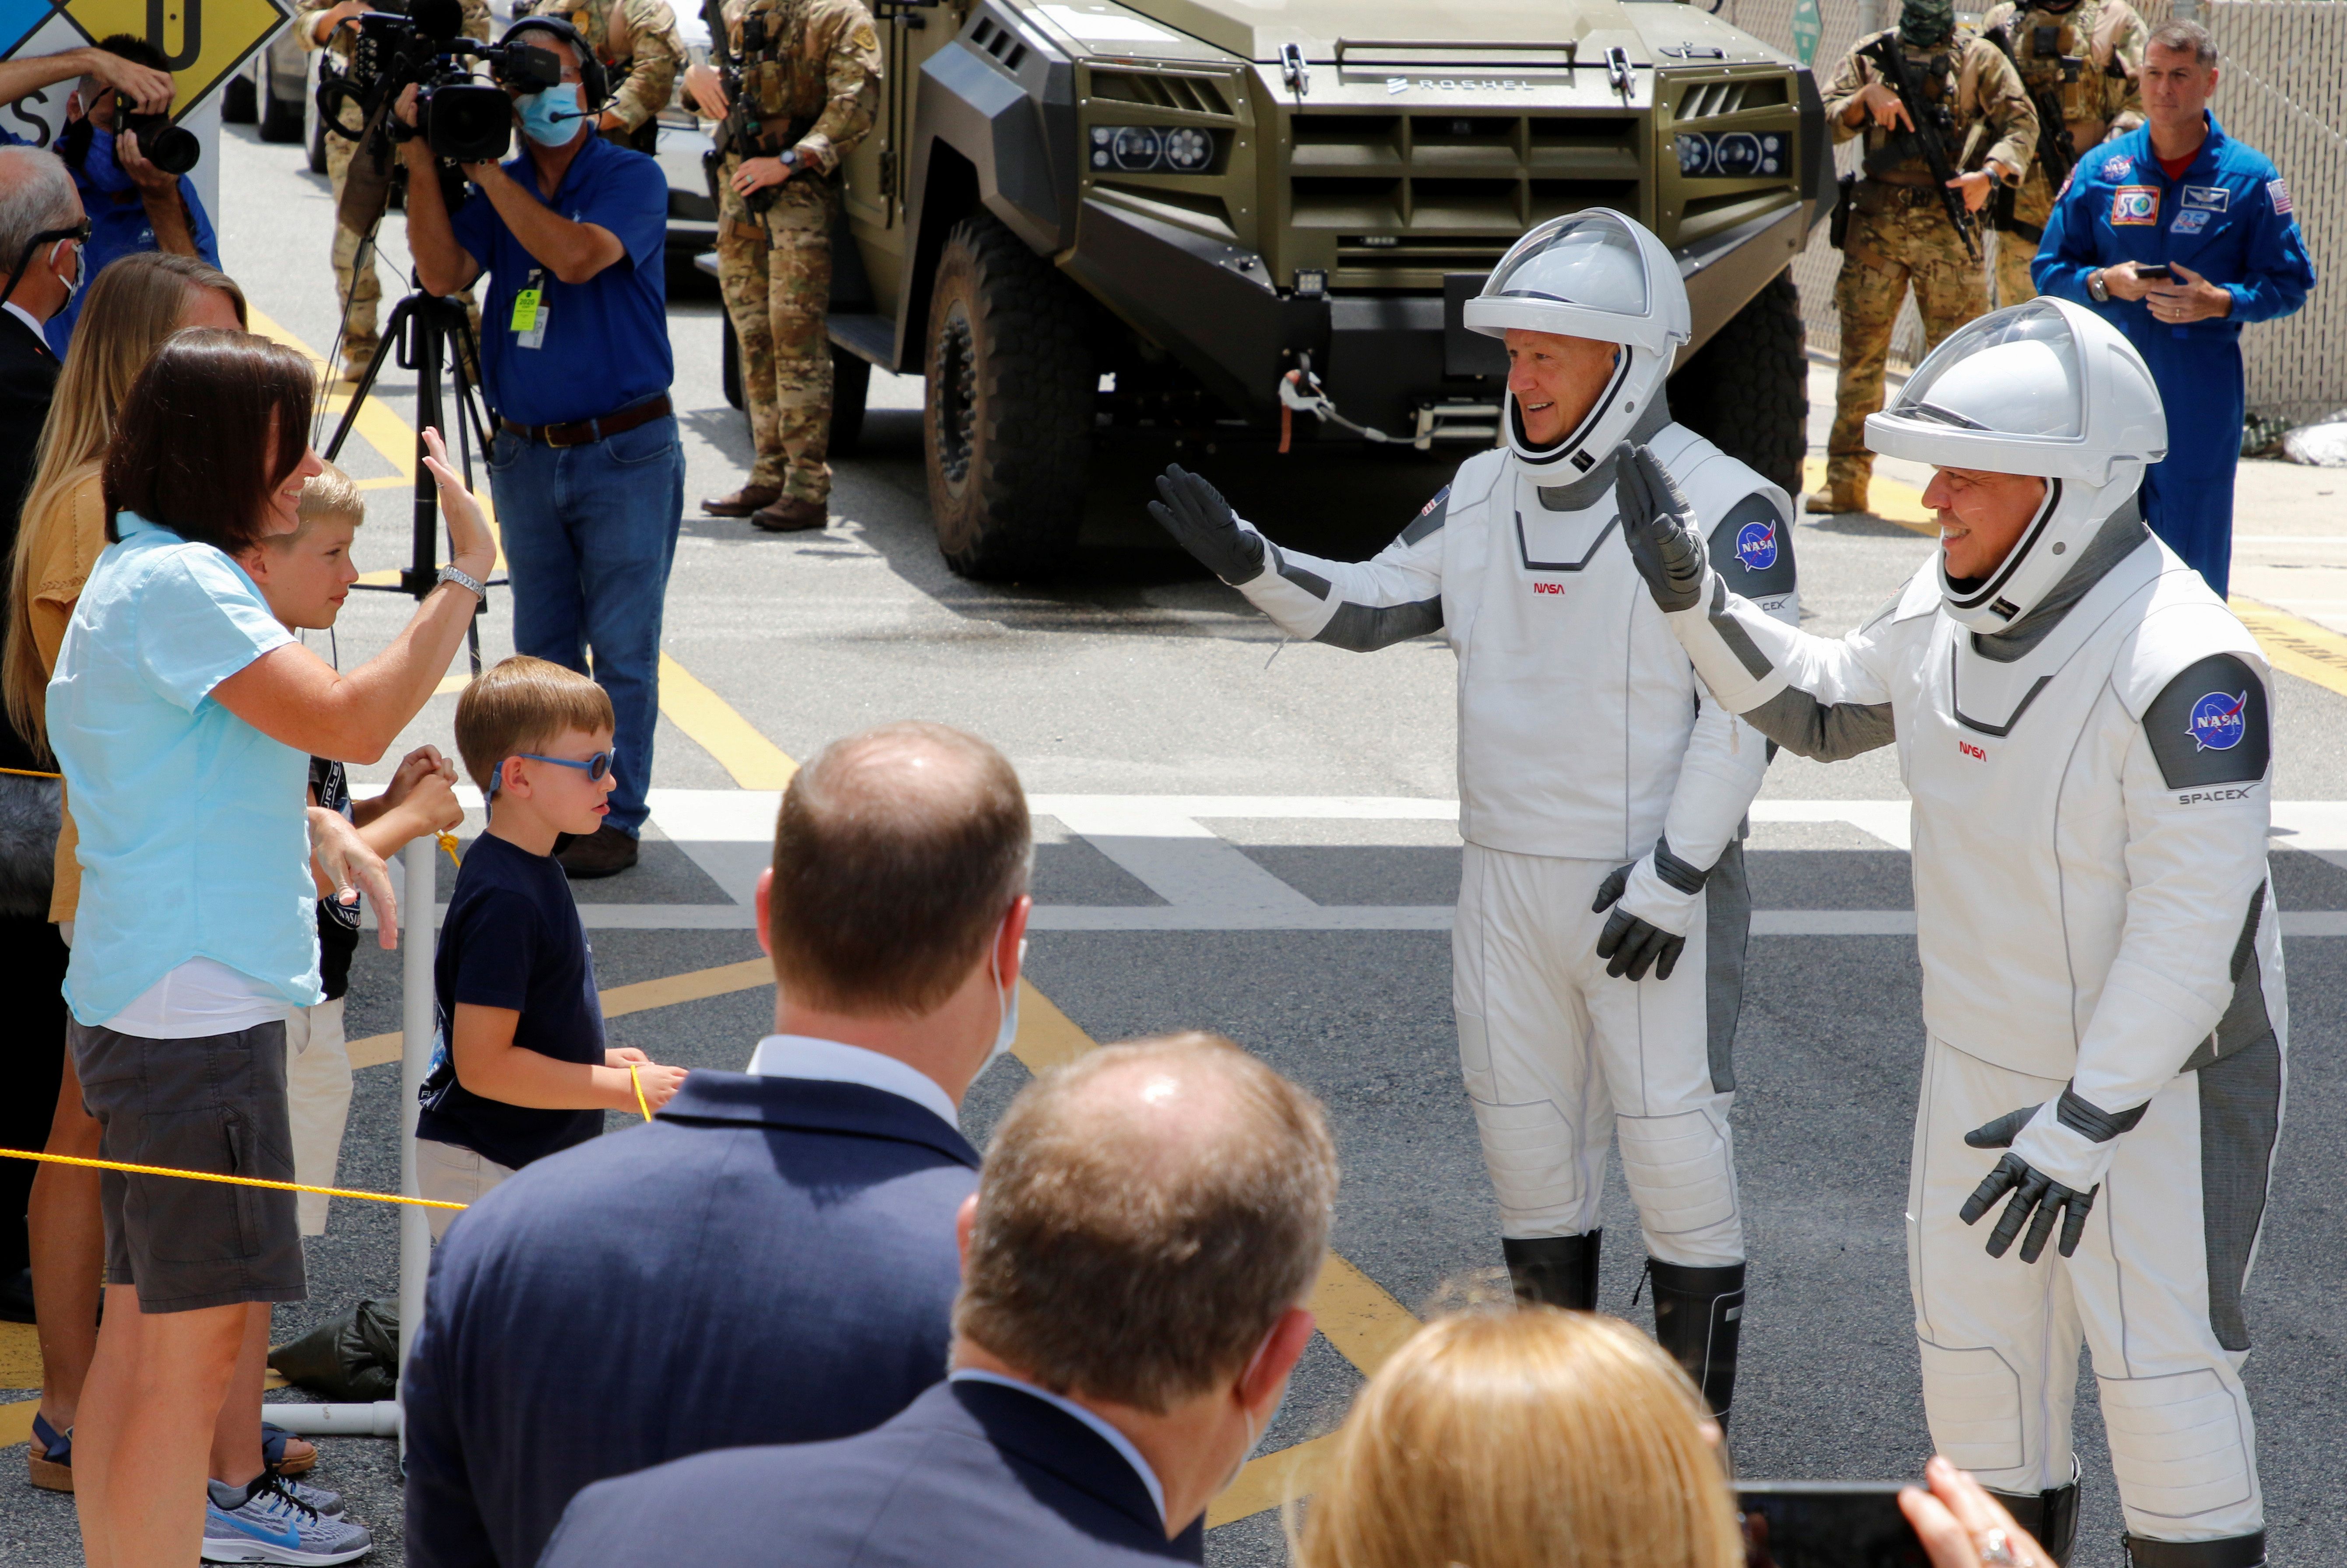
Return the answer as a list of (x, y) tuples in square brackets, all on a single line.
[(2233, 1552), (1698, 1315), (1555, 1270), (2051, 1516)]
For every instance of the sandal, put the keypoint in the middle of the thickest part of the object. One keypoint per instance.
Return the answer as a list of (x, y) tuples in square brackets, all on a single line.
[(286, 1454), (52, 1456)]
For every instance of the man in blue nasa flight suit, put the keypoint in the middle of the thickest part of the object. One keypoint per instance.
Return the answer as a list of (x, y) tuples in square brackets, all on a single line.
[(2216, 213)]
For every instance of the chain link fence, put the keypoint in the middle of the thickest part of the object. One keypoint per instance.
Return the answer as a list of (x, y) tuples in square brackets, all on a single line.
[(2282, 87)]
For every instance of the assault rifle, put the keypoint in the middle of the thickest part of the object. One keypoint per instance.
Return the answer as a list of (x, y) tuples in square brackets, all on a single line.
[(740, 131), (2055, 153), (1930, 123)]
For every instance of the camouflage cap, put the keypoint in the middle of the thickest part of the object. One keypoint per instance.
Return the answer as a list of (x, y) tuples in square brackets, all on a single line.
[(1924, 23)]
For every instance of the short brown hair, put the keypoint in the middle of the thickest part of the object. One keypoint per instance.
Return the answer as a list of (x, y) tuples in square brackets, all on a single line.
[(523, 704), (1136, 1246), (192, 448), (2182, 35), (1530, 1439), (896, 853)]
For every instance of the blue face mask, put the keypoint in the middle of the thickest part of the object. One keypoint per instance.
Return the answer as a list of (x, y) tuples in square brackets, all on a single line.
[(550, 117), (99, 165)]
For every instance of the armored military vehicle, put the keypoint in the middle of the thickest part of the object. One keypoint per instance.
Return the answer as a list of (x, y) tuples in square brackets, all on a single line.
[(1075, 217)]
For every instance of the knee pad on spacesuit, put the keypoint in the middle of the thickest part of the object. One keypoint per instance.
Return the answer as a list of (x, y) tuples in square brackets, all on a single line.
[(2179, 1446), (1530, 1152), (1682, 1176), (1973, 1400)]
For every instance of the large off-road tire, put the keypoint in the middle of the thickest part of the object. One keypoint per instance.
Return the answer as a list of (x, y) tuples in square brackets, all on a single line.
[(730, 374), (240, 100), (1007, 416), (1748, 391), (281, 119), (851, 385)]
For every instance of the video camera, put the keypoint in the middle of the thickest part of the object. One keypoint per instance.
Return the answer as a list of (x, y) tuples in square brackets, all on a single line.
[(461, 118)]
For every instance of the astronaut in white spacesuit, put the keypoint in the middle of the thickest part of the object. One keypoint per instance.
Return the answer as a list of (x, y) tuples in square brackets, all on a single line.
[(2085, 729), (1598, 951)]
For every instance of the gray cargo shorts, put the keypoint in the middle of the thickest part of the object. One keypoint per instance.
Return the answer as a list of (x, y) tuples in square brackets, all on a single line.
[(213, 1103)]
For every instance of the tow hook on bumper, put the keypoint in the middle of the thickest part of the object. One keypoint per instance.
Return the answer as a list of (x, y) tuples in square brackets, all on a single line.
[(1455, 419)]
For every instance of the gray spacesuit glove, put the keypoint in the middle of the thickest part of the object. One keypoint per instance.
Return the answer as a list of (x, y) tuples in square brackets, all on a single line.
[(1658, 524), (1629, 945), (1198, 517), (2035, 1194)]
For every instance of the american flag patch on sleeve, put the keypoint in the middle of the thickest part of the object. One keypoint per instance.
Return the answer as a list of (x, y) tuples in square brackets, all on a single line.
[(2277, 192)]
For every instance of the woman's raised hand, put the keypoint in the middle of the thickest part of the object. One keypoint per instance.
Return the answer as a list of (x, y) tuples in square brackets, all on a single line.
[(476, 549)]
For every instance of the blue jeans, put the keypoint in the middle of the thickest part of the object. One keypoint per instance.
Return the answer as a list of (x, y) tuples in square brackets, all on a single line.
[(589, 533)]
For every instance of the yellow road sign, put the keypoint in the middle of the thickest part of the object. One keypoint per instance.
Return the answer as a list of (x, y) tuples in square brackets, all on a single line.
[(202, 41)]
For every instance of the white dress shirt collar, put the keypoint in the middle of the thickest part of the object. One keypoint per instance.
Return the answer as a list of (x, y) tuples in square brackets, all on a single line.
[(1109, 1434), (830, 1061), (26, 316)]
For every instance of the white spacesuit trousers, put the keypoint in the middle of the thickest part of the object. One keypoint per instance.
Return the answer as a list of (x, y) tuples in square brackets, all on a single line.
[(2170, 1236), (1557, 1054)]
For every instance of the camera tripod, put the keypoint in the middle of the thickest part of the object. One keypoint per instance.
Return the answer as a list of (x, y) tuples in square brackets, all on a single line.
[(432, 336)]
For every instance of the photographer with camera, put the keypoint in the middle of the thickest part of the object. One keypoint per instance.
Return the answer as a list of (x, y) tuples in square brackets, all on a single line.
[(331, 25), (130, 166), (586, 466)]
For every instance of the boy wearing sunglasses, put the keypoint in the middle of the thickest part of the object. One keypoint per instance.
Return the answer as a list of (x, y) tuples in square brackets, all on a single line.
[(519, 1069)]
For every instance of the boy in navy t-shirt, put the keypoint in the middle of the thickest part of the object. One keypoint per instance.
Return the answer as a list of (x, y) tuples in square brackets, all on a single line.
[(519, 1069)]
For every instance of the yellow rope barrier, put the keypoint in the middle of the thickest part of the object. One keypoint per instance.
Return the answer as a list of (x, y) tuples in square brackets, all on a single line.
[(29, 773), (637, 1079), (231, 1181)]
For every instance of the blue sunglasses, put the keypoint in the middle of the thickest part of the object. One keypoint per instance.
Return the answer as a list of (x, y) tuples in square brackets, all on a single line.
[(597, 768)]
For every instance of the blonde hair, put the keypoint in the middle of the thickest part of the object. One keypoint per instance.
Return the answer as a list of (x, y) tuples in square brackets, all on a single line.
[(1528, 1439), (329, 496), (132, 307), (523, 704)]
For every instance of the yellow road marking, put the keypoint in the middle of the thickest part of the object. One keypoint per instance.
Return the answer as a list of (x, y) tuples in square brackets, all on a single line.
[(1888, 498), (377, 425), (20, 1356), (619, 1000), (1268, 1481), (16, 1421), (756, 762), (2302, 648)]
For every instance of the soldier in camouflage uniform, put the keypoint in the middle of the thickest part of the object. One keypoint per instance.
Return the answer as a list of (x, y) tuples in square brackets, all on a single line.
[(641, 37), (318, 25), (1900, 233), (2093, 67), (812, 88)]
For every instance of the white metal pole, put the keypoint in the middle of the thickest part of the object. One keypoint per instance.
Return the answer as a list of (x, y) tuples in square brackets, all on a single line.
[(417, 915)]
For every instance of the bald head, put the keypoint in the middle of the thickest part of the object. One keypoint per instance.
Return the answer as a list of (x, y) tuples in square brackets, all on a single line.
[(1144, 1217), (898, 853)]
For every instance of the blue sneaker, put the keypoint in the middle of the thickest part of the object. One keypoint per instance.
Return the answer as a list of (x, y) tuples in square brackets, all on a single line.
[(269, 1524)]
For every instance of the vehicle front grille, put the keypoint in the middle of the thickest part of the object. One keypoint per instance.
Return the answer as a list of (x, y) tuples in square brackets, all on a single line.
[(1411, 195)]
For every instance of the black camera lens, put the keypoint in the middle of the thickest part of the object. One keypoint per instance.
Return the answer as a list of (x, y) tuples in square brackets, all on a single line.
[(168, 147)]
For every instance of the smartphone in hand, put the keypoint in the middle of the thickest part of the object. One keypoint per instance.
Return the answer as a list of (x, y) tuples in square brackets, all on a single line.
[(2152, 271), (1826, 1524)]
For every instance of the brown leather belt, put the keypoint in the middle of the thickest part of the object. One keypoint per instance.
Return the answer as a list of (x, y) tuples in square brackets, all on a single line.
[(584, 431)]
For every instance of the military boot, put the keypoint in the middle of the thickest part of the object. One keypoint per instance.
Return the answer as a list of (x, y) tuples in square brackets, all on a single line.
[(1554, 1270), (1698, 1317), (2232, 1551), (2051, 1516), (1833, 502)]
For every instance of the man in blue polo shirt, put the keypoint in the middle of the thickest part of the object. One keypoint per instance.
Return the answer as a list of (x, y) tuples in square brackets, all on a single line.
[(2180, 194), (133, 206), (586, 470)]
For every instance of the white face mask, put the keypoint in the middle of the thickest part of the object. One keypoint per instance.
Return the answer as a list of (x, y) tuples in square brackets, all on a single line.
[(81, 268), (1256, 1435), (1007, 999)]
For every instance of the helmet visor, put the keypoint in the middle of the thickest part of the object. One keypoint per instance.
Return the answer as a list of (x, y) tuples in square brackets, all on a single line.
[(2016, 372), (1589, 261)]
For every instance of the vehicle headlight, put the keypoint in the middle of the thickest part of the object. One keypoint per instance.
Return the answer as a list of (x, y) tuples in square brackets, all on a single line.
[(1730, 154), (1146, 149)]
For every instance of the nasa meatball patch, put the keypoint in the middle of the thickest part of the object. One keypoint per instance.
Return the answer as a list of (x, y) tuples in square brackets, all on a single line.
[(2117, 168), (2211, 725), (1752, 549)]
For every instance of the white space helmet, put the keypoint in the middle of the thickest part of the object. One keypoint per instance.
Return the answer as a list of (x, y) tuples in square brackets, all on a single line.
[(2048, 389), (1594, 275)]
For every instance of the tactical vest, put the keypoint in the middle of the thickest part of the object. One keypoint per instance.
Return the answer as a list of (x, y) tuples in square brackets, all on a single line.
[(2054, 50), (1938, 75)]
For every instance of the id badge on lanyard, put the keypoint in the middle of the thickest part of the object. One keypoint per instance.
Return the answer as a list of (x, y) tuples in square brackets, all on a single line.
[(529, 312)]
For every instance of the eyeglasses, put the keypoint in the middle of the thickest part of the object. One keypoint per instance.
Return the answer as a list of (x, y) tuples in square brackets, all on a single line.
[(597, 768)]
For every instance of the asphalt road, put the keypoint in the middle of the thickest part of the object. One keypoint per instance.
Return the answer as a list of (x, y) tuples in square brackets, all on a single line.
[(1136, 676)]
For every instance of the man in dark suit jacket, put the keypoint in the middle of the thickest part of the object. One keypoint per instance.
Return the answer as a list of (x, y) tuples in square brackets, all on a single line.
[(771, 1259), (37, 198), (1149, 1224)]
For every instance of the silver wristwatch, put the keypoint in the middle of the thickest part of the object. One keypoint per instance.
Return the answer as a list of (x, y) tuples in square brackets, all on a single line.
[(2095, 288), (465, 581)]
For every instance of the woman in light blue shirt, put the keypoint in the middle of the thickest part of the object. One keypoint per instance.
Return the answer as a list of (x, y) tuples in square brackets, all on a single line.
[(183, 716)]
